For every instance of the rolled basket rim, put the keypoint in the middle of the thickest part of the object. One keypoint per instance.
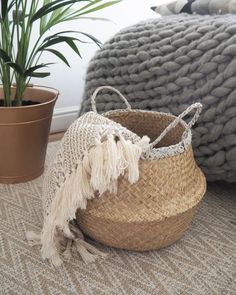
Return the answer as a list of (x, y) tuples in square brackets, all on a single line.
[(41, 104)]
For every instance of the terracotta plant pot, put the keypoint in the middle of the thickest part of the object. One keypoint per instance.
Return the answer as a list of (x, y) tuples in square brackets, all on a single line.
[(24, 135)]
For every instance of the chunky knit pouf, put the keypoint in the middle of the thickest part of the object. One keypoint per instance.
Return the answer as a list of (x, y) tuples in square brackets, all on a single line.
[(169, 63)]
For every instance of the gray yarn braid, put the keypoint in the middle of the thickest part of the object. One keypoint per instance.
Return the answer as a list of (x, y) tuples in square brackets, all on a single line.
[(169, 63)]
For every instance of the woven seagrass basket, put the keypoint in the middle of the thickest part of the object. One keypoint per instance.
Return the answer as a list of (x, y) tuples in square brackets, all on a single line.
[(155, 211)]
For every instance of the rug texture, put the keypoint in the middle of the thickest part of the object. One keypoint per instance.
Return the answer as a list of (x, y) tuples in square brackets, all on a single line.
[(167, 64), (203, 262)]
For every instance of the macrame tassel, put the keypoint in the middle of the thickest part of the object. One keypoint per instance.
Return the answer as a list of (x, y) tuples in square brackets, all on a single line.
[(93, 249), (82, 184), (50, 244), (144, 143), (88, 252), (96, 160), (55, 225), (86, 256), (99, 169), (132, 153), (113, 186), (105, 165), (110, 158), (77, 189), (64, 229), (74, 228), (33, 238), (55, 260), (67, 254), (114, 163), (86, 164)]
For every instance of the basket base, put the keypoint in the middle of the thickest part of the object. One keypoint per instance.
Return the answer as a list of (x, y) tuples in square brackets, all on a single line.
[(136, 236)]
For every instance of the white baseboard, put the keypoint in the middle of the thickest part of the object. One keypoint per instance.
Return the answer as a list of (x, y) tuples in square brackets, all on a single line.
[(63, 117)]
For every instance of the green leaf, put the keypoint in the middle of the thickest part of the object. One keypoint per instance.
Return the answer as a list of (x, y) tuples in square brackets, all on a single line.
[(57, 35), (99, 7), (6, 7), (52, 6), (95, 40), (39, 75), (90, 18), (52, 41), (4, 56), (92, 3), (34, 68), (46, 2), (61, 39), (73, 46), (57, 18), (59, 55), (59, 12), (43, 10), (16, 67), (44, 19)]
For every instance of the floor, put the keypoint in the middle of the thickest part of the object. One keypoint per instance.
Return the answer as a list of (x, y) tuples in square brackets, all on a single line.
[(55, 136), (203, 262)]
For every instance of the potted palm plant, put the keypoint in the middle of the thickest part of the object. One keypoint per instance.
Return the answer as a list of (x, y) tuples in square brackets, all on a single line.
[(26, 111)]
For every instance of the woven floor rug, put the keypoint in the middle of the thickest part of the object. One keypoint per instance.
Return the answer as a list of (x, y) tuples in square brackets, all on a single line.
[(202, 262)]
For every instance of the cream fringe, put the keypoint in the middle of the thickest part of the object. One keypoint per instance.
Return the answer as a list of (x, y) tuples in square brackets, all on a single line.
[(99, 170)]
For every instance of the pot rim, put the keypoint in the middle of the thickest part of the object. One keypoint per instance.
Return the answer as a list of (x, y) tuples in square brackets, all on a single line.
[(47, 88)]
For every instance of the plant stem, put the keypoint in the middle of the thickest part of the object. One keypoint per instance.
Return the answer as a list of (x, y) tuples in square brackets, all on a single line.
[(6, 72), (25, 38)]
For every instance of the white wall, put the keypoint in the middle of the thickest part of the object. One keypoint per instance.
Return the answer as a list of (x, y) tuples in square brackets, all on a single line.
[(70, 81)]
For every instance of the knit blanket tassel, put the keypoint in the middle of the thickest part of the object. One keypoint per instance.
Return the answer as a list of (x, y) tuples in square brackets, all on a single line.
[(97, 172)]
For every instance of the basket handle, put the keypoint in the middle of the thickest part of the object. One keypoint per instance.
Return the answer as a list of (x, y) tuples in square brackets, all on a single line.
[(93, 97), (196, 106)]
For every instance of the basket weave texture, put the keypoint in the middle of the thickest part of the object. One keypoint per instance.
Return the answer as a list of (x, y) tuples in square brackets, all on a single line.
[(155, 211)]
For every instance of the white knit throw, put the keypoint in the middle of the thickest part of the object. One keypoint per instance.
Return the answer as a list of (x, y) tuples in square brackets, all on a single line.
[(93, 154)]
